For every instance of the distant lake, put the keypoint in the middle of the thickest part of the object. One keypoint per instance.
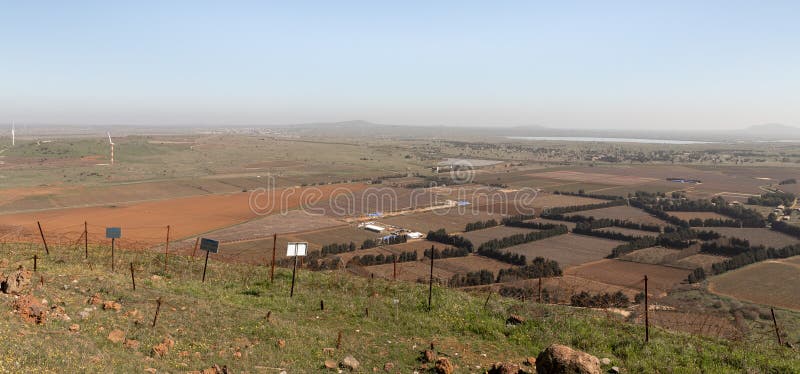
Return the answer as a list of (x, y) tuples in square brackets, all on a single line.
[(607, 140)]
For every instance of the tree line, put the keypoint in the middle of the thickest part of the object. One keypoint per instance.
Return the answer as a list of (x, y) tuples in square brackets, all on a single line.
[(446, 253), (380, 259), (441, 236), (604, 300), (517, 239), (539, 268), (773, 199), (756, 254), (479, 225)]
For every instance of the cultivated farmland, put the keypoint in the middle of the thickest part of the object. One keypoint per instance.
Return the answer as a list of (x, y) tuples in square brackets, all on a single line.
[(631, 274), (757, 236), (768, 282), (569, 249), (478, 237), (623, 213), (452, 220)]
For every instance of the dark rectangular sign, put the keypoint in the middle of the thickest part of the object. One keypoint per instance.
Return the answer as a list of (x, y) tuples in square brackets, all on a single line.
[(113, 232), (209, 245)]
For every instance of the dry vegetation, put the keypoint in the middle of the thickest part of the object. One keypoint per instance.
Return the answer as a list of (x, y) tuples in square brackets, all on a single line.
[(768, 282)]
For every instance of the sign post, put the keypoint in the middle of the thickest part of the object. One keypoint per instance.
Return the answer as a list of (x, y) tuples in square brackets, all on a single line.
[(113, 233), (210, 246), (295, 249)]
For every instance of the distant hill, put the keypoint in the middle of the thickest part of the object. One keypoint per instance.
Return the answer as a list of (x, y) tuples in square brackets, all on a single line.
[(774, 130)]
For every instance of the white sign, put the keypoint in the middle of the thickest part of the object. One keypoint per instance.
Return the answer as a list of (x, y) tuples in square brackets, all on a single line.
[(296, 249)]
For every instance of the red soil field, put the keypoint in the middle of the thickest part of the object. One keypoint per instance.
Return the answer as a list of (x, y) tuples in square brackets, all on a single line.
[(145, 223)]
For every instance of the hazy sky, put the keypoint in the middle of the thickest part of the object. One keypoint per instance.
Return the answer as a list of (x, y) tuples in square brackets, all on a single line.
[(593, 64)]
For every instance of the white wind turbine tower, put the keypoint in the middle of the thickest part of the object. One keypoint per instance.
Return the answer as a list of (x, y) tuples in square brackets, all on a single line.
[(13, 136), (112, 147)]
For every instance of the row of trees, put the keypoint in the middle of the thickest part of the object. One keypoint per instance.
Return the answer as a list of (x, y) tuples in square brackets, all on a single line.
[(578, 208), (443, 237), (603, 300), (732, 247), (597, 223), (479, 225), (752, 256), (582, 193), (585, 228), (714, 222), (516, 239), (533, 225), (773, 199), (540, 267), (336, 248), (786, 228), (507, 257), (473, 278), (678, 239), (447, 252), (380, 259)]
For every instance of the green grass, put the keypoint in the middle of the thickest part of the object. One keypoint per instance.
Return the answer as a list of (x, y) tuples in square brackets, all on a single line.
[(213, 320)]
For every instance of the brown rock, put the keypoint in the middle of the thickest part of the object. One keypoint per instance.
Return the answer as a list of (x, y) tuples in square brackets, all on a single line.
[(30, 309), (116, 336), (560, 359), (530, 361), (350, 363), (151, 370), (237, 354), (281, 343), (95, 300), (112, 305), (160, 350), (444, 366), (330, 364), (16, 282), (515, 319), (504, 368), (131, 344), (388, 367), (74, 327)]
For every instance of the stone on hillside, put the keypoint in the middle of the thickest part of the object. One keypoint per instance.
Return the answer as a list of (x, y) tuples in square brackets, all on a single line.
[(16, 282), (111, 305), (444, 366), (116, 336), (605, 361), (330, 364), (30, 309), (504, 368), (351, 363), (387, 367), (560, 359)]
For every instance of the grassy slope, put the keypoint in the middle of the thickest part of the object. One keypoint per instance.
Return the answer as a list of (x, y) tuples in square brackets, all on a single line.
[(214, 320)]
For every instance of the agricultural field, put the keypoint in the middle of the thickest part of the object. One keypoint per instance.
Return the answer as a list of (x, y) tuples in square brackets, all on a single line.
[(698, 260), (568, 250), (291, 222), (653, 255), (757, 236), (661, 279), (419, 246), (451, 219), (623, 213), (562, 288), (769, 283), (516, 203), (479, 237), (145, 223)]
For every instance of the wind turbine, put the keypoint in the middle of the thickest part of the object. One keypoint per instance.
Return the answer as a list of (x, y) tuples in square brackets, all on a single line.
[(13, 136), (112, 147)]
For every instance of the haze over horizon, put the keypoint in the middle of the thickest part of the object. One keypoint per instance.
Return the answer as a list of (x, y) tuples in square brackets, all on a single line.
[(577, 65)]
